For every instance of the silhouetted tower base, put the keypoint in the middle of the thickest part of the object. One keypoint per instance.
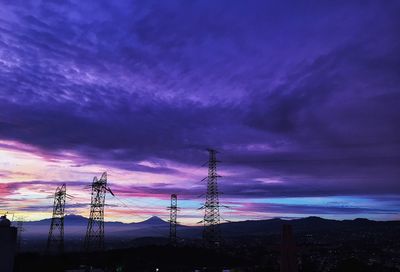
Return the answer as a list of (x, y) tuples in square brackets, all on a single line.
[(55, 241), (211, 232), (288, 250), (8, 243), (173, 219), (94, 239), (20, 229)]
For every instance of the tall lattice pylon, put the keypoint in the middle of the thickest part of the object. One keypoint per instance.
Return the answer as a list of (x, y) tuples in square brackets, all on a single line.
[(172, 220), (211, 232), (94, 239), (55, 241), (20, 230)]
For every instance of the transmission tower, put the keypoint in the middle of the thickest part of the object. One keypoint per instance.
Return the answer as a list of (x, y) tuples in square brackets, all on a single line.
[(94, 239), (55, 241), (211, 232), (172, 221), (20, 229)]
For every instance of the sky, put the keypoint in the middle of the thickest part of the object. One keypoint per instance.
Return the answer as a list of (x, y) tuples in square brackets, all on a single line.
[(300, 98)]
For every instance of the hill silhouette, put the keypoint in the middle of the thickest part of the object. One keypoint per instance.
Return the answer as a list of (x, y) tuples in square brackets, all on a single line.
[(75, 225)]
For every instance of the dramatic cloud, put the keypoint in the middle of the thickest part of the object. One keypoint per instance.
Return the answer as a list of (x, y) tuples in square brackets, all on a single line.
[(311, 209), (300, 98)]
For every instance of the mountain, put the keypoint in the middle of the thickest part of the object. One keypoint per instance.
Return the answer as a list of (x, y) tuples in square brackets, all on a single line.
[(71, 219), (75, 227), (154, 220), (78, 220), (306, 225)]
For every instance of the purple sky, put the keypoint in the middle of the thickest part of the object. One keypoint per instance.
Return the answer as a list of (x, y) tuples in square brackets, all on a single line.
[(301, 98)]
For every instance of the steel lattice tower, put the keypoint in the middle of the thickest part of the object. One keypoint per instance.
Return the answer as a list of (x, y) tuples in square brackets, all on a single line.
[(94, 239), (172, 221), (211, 232), (20, 229), (55, 241)]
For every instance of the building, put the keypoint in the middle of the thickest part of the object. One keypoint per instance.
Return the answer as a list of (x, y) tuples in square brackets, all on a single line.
[(288, 250), (8, 244)]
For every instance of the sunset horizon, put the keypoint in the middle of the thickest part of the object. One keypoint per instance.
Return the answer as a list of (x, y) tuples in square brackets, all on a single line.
[(214, 116)]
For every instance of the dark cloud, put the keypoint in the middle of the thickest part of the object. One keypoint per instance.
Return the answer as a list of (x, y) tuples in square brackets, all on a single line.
[(40, 186), (306, 93), (326, 101), (312, 209), (47, 208)]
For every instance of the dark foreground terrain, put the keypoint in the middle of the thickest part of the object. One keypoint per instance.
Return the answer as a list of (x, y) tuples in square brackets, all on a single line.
[(261, 254), (166, 258), (321, 246)]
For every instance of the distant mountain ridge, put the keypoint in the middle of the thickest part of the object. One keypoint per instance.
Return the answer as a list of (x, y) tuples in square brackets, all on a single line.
[(73, 218), (75, 225), (157, 220)]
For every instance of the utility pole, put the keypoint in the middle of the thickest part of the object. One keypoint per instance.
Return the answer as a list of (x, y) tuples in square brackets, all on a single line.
[(211, 232), (55, 240), (288, 250), (94, 239), (172, 220), (20, 230)]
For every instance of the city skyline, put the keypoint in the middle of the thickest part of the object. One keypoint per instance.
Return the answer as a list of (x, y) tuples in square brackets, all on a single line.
[(300, 99)]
